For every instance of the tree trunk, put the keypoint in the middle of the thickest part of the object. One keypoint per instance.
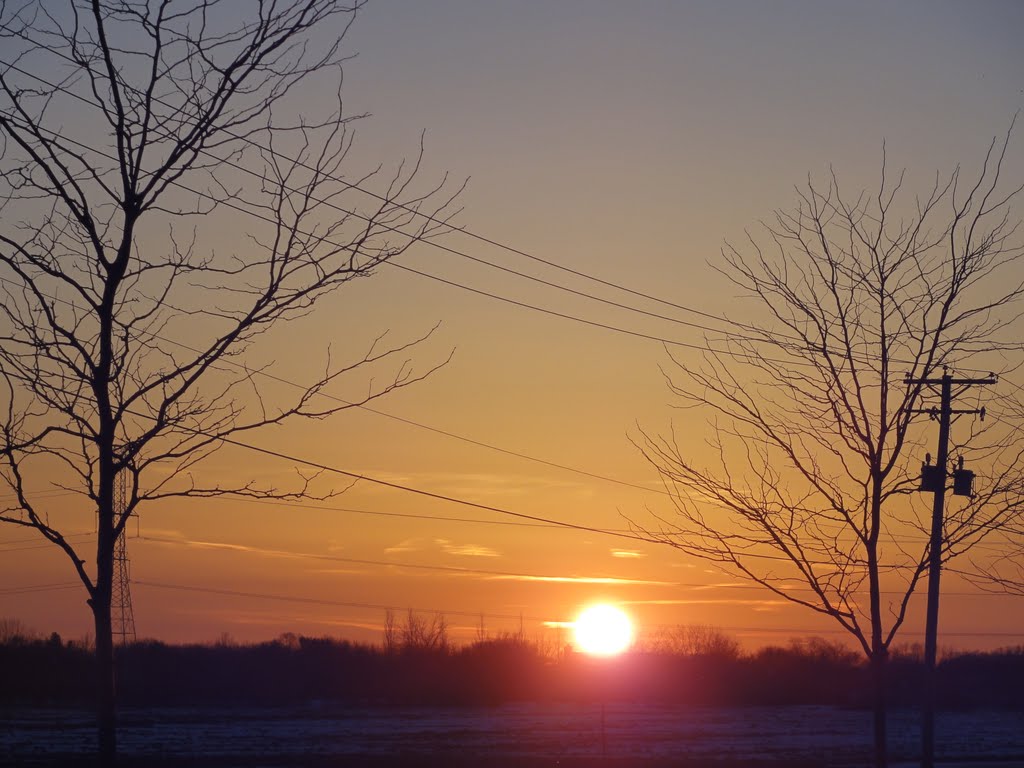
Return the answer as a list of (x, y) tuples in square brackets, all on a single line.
[(878, 706), (106, 716), (106, 713)]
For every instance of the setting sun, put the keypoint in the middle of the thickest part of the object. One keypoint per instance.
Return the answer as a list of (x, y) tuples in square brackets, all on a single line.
[(603, 630)]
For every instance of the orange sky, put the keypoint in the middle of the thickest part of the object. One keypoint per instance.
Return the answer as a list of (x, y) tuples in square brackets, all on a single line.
[(626, 142)]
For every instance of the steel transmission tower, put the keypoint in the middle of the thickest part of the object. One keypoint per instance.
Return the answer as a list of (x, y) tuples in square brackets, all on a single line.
[(121, 615)]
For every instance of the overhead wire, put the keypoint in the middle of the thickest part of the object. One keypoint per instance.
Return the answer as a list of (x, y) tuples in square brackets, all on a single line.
[(626, 535), (403, 515), (430, 218), (449, 282), (302, 599), (630, 535), (451, 569), (416, 212), (244, 549), (33, 588), (747, 356), (428, 241), (364, 407), (409, 421), (519, 304), (902, 539), (414, 238), (298, 161), (23, 544)]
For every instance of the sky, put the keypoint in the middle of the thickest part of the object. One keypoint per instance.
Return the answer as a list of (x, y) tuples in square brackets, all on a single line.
[(627, 141)]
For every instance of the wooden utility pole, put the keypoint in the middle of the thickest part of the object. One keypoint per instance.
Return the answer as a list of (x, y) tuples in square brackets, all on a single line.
[(933, 478)]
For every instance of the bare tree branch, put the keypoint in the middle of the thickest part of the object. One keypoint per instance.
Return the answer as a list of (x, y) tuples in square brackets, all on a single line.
[(812, 434), (125, 328)]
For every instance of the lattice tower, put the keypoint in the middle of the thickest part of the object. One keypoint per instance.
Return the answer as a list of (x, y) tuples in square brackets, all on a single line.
[(121, 615)]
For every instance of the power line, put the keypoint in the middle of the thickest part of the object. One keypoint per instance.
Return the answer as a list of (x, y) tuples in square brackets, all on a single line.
[(40, 588), (362, 406), (456, 500), (415, 238), (485, 293), (322, 601), (428, 217), (244, 210), (419, 491), (462, 230), (747, 356), (26, 548), (432, 219), (511, 523), (35, 539), (457, 285), (398, 486), (405, 515), (244, 549), (629, 535), (695, 586), (432, 243), (513, 617), (297, 161)]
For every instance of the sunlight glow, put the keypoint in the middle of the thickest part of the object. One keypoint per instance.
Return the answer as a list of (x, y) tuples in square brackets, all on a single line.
[(603, 630)]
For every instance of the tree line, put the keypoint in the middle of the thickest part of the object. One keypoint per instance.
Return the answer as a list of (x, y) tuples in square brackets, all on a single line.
[(295, 669)]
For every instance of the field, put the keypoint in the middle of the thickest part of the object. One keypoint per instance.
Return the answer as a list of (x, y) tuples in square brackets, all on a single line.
[(515, 735)]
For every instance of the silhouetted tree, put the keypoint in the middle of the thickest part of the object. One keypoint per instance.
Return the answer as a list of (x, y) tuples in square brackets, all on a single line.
[(691, 640), (390, 632), (13, 630), (815, 453), (419, 634), (126, 315)]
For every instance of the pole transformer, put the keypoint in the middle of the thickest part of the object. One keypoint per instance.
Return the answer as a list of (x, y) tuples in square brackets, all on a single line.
[(933, 478)]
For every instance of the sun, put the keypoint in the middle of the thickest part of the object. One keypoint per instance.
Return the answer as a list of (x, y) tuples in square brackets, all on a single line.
[(603, 630)]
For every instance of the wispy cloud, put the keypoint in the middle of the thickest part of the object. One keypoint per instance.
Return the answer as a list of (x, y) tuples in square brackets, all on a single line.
[(472, 550), (755, 603), (466, 550), (720, 585), (627, 553), (180, 541), (446, 546), (162, 533), (581, 580), (408, 545)]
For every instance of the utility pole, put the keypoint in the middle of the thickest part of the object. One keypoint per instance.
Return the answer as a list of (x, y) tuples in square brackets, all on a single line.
[(933, 478)]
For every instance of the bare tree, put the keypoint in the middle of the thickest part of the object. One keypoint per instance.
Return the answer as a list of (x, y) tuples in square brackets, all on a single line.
[(158, 218), (691, 640), (390, 633), (420, 634), (811, 488), (13, 631)]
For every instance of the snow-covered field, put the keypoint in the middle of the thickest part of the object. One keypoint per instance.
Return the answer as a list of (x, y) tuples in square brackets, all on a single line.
[(835, 736)]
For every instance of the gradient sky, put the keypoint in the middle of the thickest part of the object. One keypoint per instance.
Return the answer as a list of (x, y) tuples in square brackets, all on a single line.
[(626, 140)]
